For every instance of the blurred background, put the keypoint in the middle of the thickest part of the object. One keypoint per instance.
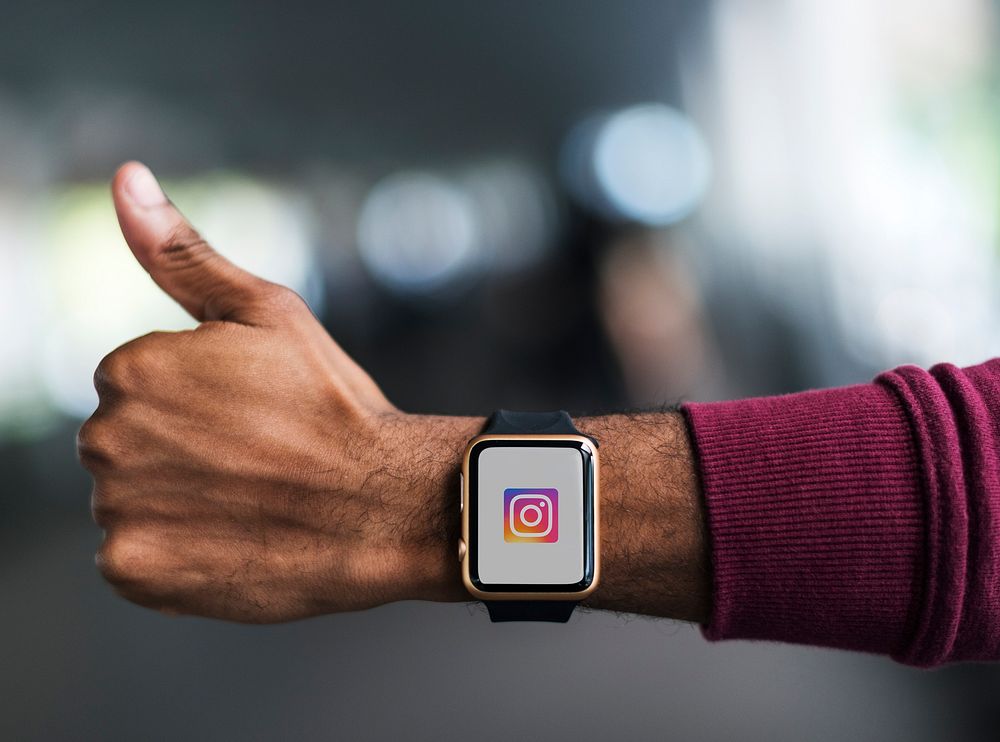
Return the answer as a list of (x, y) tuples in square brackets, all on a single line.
[(585, 205)]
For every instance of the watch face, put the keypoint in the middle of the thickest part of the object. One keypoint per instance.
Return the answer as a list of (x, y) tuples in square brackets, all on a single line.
[(531, 515)]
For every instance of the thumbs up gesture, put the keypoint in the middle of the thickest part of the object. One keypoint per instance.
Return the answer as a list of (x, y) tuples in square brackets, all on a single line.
[(249, 469)]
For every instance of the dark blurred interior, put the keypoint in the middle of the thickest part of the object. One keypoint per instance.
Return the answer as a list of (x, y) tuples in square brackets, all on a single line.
[(585, 205)]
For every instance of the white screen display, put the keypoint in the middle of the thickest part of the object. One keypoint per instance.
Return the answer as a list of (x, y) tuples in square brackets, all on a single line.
[(530, 515)]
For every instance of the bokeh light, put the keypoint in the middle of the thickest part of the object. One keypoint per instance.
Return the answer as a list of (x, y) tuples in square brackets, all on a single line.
[(418, 232), (647, 164)]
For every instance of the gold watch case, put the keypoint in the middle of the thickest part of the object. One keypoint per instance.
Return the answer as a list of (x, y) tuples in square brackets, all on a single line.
[(464, 552)]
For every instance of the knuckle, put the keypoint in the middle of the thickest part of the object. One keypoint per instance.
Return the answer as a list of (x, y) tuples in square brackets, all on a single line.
[(112, 373), (94, 443), (110, 560), (124, 560), (123, 368)]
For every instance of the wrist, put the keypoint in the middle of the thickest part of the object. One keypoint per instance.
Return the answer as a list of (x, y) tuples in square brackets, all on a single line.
[(654, 557), (422, 489), (653, 548)]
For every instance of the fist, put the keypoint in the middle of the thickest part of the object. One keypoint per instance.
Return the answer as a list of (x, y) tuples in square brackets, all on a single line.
[(247, 469)]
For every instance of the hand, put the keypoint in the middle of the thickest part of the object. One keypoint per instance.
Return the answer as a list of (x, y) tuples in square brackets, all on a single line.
[(249, 469)]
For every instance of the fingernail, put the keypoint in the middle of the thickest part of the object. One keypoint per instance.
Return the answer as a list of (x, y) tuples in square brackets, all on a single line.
[(143, 189)]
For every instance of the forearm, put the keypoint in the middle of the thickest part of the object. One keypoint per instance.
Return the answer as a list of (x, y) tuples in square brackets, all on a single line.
[(653, 552)]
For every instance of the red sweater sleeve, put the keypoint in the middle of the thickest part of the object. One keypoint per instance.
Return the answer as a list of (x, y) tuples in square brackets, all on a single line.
[(865, 517)]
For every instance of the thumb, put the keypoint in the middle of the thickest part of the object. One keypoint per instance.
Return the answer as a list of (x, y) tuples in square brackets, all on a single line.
[(181, 263)]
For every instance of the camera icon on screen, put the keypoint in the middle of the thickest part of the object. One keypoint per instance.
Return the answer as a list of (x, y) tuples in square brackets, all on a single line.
[(531, 515)]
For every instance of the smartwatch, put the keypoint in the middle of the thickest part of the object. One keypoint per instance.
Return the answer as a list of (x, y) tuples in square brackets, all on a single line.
[(530, 516)]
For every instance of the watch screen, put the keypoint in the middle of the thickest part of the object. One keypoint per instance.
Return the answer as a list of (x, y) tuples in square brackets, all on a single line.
[(531, 514)]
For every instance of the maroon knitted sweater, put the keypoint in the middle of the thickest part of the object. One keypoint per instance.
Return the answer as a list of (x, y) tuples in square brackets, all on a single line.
[(865, 517)]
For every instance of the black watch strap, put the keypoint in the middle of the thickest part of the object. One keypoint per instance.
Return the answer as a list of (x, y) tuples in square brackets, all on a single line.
[(524, 423), (556, 611), (527, 423)]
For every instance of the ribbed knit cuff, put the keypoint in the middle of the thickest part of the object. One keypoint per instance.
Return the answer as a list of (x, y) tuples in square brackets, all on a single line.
[(814, 515)]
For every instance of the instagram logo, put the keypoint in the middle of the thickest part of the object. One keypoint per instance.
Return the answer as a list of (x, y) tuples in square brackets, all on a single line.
[(531, 515)]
